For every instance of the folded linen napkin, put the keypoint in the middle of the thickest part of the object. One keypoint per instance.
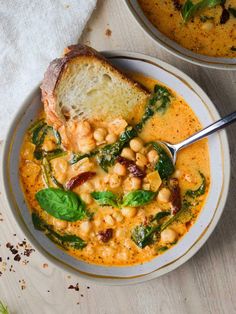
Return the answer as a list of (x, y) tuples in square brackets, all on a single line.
[(32, 33)]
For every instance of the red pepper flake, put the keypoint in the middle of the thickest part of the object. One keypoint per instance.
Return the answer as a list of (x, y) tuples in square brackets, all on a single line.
[(79, 179), (106, 235), (108, 32), (9, 245), (27, 252), (131, 166), (17, 258), (76, 287), (177, 5)]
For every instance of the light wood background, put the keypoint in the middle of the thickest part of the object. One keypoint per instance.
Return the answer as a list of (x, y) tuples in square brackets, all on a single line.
[(205, 284)]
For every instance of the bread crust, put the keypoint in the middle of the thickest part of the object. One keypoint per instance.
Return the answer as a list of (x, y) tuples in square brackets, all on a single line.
[(55, 70)]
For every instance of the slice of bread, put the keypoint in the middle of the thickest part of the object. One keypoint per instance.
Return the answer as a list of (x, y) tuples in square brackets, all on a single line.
[(84, 85)]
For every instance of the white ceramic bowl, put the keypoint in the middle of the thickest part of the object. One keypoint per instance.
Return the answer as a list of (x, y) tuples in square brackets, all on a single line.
[(173, 47), (198, 234)]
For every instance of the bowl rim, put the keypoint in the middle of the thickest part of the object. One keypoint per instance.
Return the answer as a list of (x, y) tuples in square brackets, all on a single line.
[(168, 44), (121, 281)]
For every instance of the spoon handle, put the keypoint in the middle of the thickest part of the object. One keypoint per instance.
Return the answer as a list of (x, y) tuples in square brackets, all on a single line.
[(220, 124)]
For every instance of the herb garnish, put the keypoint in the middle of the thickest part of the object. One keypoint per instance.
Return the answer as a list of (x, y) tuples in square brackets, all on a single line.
[(64, 205), (134, 199), (190, 9)]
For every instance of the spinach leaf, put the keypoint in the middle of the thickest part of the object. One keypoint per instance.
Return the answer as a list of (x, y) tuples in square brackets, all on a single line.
[(190, 9), (160, 215), (64, 205), (107, 155), (164, 165), (105, 198), (138, 198), (39, 134), (162, 249), (65, 241), (143, 235), (199, 191), (77, 157), (158, 102), (232, 11)]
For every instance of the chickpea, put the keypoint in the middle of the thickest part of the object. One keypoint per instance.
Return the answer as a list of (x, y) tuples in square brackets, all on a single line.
[(111, 138), (123, 255), (118, 216), (59, 224), (99, 134), (109, 220), (146, 186), (28, 151), (89, 249), (132, 183), (107, 252), (88, 187), (115, 181), (177, 174), (83, 129), (128, 153), (135, 183), (129, 212), (83, 165), (48, 145), (120, 232), (136, 144), (207, 26), (164, 195), (86, 144), (117, 126), (152, 156), (169, 236), (85, 227), (97, 222), (119, 169), (60, 167), (141, 160), (87, 198)]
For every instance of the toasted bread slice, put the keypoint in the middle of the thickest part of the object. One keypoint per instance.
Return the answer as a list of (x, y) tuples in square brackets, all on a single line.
[(84, 85)]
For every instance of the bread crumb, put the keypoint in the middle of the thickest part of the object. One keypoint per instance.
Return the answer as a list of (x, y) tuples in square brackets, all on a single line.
[(45, 265), (108, 32)]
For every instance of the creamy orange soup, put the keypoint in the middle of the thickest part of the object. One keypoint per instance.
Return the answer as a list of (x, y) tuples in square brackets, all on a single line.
[(210, 31), (146, 209)]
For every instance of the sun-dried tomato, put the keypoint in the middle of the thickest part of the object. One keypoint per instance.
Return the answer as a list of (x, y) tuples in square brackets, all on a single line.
[(79, 179), (175, 195), (106, 235), (131, 167), (224, 16)]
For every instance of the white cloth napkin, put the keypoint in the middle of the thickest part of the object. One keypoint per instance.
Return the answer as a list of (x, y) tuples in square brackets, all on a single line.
[(32, 33)]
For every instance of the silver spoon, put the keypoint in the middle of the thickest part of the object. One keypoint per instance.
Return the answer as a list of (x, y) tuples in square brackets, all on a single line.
[(220, 124)]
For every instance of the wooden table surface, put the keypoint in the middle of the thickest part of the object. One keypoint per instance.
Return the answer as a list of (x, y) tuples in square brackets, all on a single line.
[(205, 284)]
